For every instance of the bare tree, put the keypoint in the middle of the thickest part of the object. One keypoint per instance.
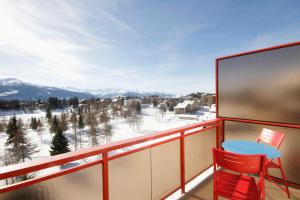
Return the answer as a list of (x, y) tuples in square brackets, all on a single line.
[(40, 129), (74, 122), (92, 122), (134, 120), (2, 126), (108, 131), (9, 159), (114, 111), (63, 122), (104, 117), (162, 111)]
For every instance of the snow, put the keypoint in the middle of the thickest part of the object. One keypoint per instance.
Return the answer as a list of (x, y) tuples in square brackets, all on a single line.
[(10, 81), (213, 108), (113, 92), (184, 104), (152, 121), (4, 94)]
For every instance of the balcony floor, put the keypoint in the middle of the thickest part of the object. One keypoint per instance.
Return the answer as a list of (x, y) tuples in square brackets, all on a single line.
[(204, 191)]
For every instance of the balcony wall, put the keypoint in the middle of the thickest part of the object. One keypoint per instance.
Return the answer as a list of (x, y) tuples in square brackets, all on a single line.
[(82, 184)]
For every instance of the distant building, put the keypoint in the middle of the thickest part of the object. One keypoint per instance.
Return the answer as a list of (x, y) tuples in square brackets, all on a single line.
[(208, 99), (185, 107), (117, 102)]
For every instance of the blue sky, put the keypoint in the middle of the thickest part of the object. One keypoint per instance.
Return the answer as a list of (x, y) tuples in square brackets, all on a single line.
[(147, 45)]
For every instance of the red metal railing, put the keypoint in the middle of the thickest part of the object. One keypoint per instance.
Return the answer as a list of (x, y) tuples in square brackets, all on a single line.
[(153, 140)]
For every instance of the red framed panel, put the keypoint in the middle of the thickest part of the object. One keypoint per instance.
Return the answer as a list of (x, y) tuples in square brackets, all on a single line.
[(251, 120), (292, 125)]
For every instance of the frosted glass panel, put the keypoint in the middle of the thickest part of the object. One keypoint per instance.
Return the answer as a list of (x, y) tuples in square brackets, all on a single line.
[(84, 184), (261, 86), (130, 177), (165, 168), (198, 152)]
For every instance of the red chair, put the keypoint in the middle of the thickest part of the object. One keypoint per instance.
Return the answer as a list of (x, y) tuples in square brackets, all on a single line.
[(232, 184), (274, 139)]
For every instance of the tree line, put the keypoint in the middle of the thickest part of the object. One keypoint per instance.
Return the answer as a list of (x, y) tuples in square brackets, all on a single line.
[(93, 113), (52, 102)]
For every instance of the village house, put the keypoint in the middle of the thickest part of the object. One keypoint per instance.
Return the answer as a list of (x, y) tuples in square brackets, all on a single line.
[(186, 107), (208, 99)]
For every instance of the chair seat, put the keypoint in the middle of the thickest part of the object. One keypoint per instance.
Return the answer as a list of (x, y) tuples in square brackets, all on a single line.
[(236, 186)]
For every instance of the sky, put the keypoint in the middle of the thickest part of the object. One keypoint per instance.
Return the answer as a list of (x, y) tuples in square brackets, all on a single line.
[(161, 45)]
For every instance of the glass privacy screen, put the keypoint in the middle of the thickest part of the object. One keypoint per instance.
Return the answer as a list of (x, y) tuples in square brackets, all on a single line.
[(261, 86)]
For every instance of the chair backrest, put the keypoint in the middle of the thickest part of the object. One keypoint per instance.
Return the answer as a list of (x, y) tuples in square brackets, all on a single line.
[(271, 137), (252, 164)]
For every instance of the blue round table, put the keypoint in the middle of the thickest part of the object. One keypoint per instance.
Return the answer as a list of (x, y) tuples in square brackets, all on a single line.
[(249, 147)]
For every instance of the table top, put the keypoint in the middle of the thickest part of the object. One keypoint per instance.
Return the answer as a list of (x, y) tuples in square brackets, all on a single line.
[(251, 147)]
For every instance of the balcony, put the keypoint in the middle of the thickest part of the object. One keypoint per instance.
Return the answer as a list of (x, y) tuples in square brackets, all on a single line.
[(176, 163)]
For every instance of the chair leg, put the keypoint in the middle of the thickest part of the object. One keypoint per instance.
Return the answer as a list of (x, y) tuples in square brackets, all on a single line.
[(284, 178), (215, 196)]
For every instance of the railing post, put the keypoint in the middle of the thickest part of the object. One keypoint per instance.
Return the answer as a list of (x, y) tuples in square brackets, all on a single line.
[(105, 176), (218, 135), (222, 132), (182, 162)]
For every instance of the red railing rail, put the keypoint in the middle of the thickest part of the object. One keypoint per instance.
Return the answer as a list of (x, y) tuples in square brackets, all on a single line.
[(104, 150)]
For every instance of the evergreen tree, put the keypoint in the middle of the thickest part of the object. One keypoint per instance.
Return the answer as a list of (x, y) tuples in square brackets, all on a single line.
[(11, 128), (54, 124), (59, 143), (138, 107), (171, 108), (155, 103), (48, 114), (64, 102), (18, 144), (54, 102), (74, 102), (33, 123)]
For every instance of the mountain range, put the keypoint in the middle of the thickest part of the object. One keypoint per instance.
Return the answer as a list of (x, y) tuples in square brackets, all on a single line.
[(11, 88)]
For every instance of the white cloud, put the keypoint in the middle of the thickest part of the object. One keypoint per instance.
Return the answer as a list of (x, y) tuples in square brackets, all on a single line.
[(51, 36), (274, 38)]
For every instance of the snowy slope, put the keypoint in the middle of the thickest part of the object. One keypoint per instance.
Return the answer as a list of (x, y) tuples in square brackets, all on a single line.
[(11, 88)]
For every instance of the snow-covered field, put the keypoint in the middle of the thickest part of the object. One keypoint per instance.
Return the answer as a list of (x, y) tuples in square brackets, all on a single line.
[(151, 122)]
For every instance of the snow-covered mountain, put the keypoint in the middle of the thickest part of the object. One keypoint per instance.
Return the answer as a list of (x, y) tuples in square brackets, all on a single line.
[(112, 92), (11, 88)]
